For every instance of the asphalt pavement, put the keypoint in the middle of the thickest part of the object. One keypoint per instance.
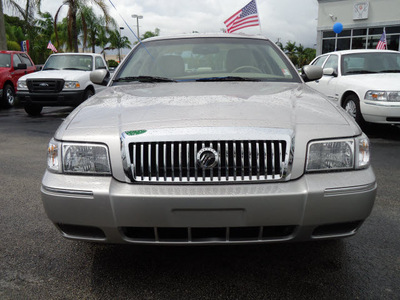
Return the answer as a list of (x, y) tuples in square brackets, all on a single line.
[(37, 263)]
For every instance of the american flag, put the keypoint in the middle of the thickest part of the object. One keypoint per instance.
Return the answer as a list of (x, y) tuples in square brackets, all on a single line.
[(246, 17), (382, 42), (51, 47)]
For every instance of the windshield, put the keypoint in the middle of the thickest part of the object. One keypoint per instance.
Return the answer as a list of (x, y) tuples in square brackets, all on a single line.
[(5, 60), (374, 62), (69, 62), (206, 59)]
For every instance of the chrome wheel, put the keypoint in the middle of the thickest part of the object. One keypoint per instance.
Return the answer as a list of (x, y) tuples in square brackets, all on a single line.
[(351, 108), (8, 96)]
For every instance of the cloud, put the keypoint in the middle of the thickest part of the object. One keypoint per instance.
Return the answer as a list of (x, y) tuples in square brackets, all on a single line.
[(280, 19)]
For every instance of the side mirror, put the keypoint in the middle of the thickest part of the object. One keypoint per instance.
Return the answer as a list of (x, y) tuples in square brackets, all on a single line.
[(100, 76), (21, 67), (330, 72), (311, 73), (39, 67)]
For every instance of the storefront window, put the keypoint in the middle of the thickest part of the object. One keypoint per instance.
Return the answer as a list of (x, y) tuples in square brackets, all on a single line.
[(358, 43), (328, 45), (393, 29), (359, 32), (343, 44), (393, 42), (376, 30)]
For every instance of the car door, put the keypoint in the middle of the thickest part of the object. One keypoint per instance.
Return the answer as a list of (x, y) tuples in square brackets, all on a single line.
[(16, 73), (30, 67), (327, 84)]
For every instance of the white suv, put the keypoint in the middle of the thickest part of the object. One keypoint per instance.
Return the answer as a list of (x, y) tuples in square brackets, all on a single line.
[(366, 83), (63, 81)]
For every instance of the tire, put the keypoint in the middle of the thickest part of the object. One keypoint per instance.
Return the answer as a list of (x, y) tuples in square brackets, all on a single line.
[(8, 96), (88, 93), (352, 105), (33, 109)]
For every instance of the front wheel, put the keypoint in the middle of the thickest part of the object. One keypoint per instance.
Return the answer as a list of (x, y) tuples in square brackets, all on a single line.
[(352, 105), (88, 93), (8, 95), (33, 109)]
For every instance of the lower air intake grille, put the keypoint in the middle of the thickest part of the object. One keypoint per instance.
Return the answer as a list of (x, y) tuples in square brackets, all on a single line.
[(202, 234)]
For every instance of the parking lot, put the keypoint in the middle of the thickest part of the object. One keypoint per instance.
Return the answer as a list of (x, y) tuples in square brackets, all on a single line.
[(37, 263)]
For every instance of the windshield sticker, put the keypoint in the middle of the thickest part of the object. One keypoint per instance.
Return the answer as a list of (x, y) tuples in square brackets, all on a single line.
[(135, 132), (286, 72)]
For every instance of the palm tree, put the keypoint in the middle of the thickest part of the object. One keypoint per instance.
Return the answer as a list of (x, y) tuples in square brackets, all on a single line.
[(118, 42), (27, 14), (290, 50), (3, 39), (74, 6)]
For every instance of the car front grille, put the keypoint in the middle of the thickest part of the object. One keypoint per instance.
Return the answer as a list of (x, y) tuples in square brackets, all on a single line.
[(45, 86), (209, 161)]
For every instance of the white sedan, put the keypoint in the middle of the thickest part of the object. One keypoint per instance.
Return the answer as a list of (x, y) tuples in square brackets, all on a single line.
[(366, 83)]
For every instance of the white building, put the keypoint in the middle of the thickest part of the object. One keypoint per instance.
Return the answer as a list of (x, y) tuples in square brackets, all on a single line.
[(363, 24)]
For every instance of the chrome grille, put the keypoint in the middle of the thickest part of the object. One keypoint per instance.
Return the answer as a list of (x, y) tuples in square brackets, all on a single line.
[(237, 161), (45, 86)]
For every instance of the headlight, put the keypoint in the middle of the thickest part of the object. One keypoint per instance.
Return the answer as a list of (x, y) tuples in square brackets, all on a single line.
[(336, 155), (78, 158), (72, 85), (383, 96), (22, 85)]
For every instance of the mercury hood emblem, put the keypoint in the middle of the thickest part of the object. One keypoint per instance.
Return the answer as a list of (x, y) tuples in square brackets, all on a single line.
[(207, 158)]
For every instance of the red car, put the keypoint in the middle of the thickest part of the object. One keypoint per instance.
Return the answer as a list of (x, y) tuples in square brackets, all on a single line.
[(13, 65)]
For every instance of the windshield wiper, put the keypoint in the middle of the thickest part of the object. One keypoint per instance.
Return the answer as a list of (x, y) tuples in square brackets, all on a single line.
[(73, 69), (390, 71), (360, 72), (144, 79), (228, 78), (50, 69)]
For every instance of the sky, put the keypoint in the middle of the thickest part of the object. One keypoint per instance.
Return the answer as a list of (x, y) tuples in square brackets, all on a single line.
[(283, 20)]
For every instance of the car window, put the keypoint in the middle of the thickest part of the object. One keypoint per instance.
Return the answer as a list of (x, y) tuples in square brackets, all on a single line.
[(5, 60), (332, 62), (205, 58), (16, 60), (319, 61), (99, 63), (371, 62), (25, 59), (69, 62)]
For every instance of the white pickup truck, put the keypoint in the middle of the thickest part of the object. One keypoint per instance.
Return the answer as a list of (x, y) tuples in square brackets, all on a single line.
[(63, 81)]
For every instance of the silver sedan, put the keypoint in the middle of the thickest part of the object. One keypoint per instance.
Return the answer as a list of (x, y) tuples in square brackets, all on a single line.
[(208, 139)]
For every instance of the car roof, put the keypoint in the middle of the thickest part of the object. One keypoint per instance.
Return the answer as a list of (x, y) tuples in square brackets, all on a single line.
[(344, 52), (206, 35), (74, 53), (11, 51)]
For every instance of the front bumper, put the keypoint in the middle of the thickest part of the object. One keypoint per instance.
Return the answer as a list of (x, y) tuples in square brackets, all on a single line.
[(381, 112), (69, 98), (316, 206)]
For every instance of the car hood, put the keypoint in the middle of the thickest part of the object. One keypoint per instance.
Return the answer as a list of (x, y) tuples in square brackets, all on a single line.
[(58, 74), (198, 104), (379, 81)]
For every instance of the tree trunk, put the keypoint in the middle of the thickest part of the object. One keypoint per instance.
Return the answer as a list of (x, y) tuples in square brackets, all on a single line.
[(3, 39), (74, 31)]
